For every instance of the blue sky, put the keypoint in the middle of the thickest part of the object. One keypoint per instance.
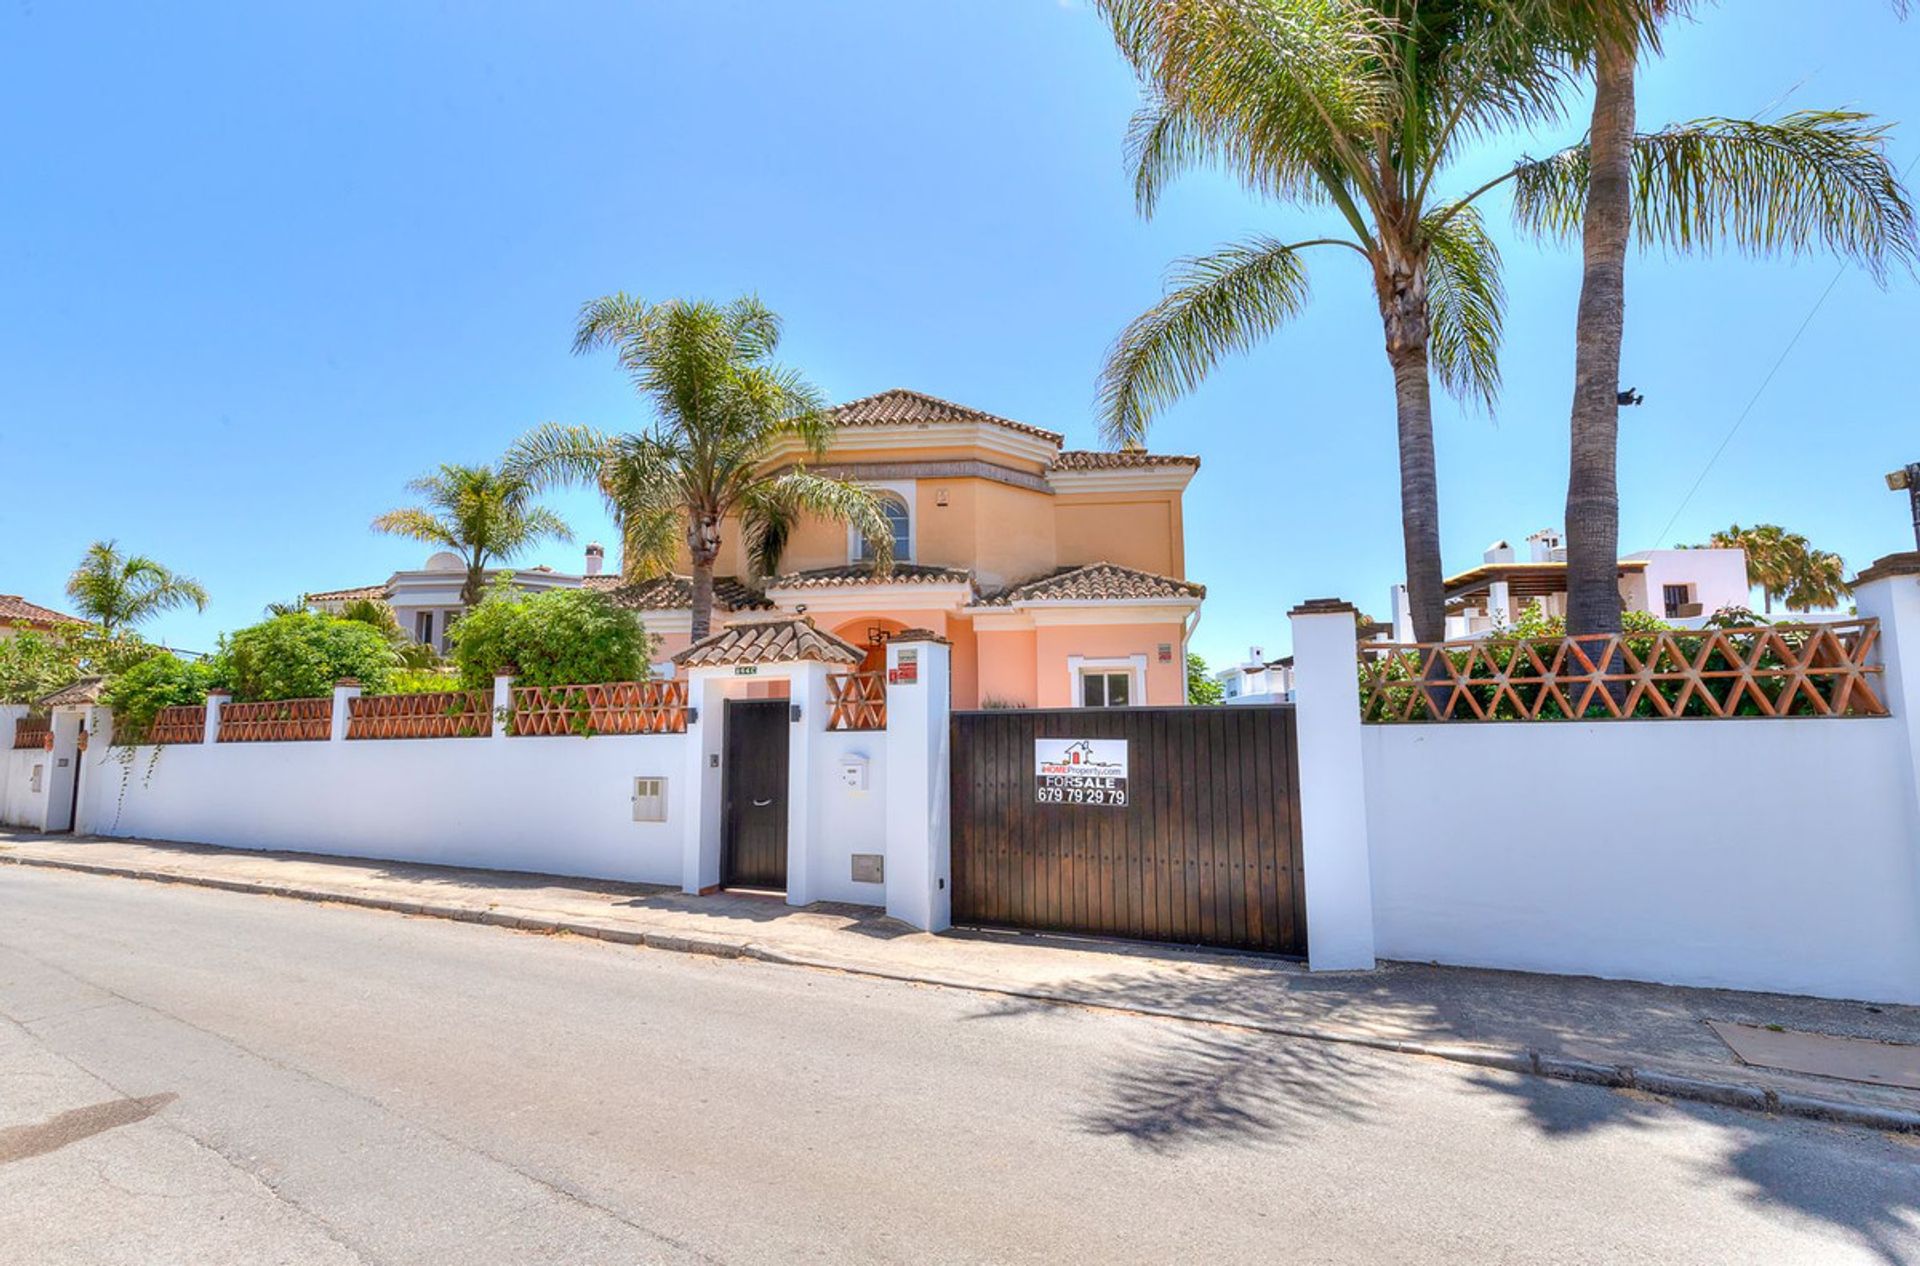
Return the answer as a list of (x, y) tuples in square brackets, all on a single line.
[(263, 263)]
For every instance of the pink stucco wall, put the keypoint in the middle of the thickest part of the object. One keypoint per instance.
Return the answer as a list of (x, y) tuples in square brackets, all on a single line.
[(1166, 683)]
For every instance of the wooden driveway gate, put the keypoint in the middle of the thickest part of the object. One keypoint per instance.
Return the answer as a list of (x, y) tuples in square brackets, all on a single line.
[(1162, 824)]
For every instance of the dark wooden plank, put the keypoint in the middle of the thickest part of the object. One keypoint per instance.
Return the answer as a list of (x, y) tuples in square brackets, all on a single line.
[(1251, 795)]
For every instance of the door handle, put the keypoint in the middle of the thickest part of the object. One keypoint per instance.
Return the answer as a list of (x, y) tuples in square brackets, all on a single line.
[(761, 804)]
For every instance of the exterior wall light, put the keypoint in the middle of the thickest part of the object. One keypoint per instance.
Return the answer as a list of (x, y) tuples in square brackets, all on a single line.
[(1908, 480)]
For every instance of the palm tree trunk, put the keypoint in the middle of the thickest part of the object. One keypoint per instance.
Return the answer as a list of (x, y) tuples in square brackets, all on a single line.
[(702, 597), (1401, 281), (1593, 491), (703, 547), (475, 585)]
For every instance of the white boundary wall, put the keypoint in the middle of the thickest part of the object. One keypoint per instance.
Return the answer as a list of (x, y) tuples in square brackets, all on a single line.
[(560, 806), (1753, 853)]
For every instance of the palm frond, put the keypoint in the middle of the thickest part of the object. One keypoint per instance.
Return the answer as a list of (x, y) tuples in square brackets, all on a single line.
[(649, 542), (1812, 179), (1275, 92), (418, 525), (1214, 304), (553, 455), (1466, 305), (775, 505)]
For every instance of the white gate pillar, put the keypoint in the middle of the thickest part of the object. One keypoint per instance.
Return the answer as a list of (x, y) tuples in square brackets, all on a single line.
[(806, 723), (919, 837), (1889, 591), (1333, 789)]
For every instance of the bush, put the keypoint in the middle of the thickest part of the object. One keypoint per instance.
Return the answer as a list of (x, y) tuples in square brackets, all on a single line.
[(417, 681), (560, 638), (33, 663), (301, 655), (163, 681)]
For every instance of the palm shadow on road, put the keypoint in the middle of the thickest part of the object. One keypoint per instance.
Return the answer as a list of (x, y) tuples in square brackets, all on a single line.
[(1864, 1183), (1217, 1085), (1187, 1085)]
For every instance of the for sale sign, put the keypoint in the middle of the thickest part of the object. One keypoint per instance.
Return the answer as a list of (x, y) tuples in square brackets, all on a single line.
[(1080, 771)]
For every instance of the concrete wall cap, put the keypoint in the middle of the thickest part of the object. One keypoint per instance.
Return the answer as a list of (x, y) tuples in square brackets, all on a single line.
[(1907, 564), (346, 681), (1324, 606)]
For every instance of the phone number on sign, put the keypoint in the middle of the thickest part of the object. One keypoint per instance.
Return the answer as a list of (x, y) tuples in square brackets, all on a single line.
[(1110, 797)]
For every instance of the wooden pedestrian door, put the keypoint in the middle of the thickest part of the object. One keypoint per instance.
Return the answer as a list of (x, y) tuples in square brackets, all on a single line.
[(754, 775), (1162, 824)]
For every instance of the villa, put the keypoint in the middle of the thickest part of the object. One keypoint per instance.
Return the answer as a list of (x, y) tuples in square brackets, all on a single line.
[(1058, 575)]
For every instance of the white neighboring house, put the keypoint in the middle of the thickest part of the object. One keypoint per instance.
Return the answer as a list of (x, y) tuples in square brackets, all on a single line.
[(1684, 587), (426, 600), (1257, 679)]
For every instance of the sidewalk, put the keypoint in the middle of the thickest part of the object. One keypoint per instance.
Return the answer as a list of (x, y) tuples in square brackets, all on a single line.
[(1651, 1037)]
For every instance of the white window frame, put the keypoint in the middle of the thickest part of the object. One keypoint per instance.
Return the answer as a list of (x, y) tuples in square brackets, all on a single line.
[(902, 490), (1079, 665)]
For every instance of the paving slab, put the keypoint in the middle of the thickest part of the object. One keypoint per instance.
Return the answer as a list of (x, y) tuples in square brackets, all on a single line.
[(1656, 1038)]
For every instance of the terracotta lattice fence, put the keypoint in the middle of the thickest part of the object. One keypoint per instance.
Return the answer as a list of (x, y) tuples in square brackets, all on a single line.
[(619, 707), (179, 723), (441, 714), (278, 721), (857, 701), (31, 732), (1804, 670)]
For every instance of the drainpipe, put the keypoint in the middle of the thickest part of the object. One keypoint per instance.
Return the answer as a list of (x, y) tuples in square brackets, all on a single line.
[(1186, 637)]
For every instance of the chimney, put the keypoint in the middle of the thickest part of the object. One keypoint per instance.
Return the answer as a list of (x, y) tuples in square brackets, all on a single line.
[(1499, 552), (596, 558)]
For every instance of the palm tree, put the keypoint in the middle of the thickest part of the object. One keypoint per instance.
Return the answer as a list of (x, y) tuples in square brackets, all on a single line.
[(1812, 176), (723, 409), (481, 513), (117, 590), (1785, 565), (1356, 107), (1769, 557), (1819, 580)]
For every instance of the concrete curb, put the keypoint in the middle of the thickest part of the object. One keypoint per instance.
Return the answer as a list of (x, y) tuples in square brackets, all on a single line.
[(1523, 1060)]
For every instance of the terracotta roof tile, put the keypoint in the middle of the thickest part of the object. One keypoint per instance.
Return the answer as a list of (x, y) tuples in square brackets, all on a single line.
[(1105, 459), (779, 639), (675, 593), (13, 608), (369, 593), (902, 407), (1096, 582), (86, 690), (862, 574)]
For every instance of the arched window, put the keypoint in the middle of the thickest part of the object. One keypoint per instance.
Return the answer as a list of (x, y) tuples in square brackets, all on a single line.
[(895, 511)]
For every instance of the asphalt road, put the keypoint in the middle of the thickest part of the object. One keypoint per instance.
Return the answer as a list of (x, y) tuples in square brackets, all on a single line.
[(203, 1077)]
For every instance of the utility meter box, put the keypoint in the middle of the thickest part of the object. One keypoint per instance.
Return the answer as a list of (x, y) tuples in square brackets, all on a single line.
[(853, 772)]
